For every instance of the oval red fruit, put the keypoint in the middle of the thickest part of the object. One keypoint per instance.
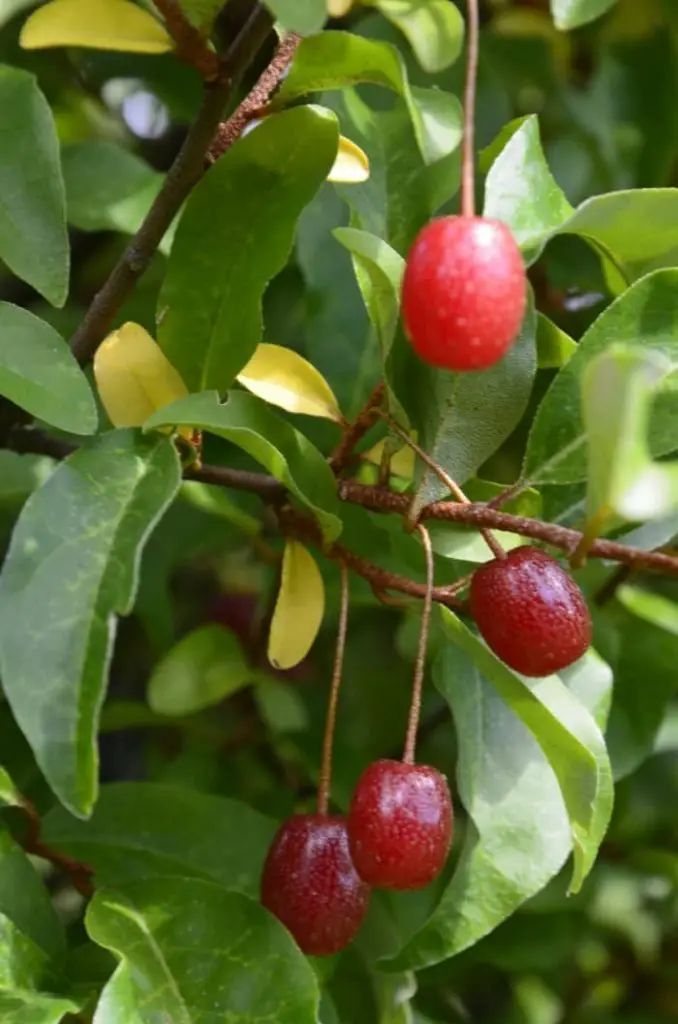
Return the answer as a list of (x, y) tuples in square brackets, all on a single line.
[(400, 825), (464, 292), (310, 884), (530, 612)]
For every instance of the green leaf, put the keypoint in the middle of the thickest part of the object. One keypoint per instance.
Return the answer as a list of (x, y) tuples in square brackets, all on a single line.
[(252, 425), (645, 678), (334, 60), (234, 236), (569, 14), (146, 830), (433, 28), (617, 391), (108, 188), (21, 1007), (554, 346), (462, 418), (568, 736), (644, 315), (522, 835), (195, 952), (305, 16), (8, 792), (25, 902), (205, 667), (521, 191), (33, 235), (634, 231), (40, 374), (201, 12), (72, 565)]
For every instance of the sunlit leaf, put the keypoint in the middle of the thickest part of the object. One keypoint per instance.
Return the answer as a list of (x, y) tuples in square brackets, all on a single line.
[(351, 164), (282, 377), (96, 24), (205, 667), (569, 14), (433, 28), (134, 376), (299, 608)]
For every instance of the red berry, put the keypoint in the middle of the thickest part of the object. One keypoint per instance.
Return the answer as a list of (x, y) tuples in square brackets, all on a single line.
[(400, 825), (464, 292), (530, 612), (310, 884)]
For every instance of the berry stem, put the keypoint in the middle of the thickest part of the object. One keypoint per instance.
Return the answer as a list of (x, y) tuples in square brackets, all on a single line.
[(418, 683), (453, 487), (468, 202), (325, 782)]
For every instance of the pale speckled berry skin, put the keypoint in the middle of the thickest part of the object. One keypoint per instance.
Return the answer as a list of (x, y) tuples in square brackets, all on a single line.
[(530, 612), (400, 825), (464, 293), (311, 886)]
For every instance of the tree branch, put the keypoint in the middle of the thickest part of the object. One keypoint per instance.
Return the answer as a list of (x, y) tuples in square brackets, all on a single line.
[(79, 874), (180, 179), (256, 101), (191, 45), (357, 430), (303, 526)]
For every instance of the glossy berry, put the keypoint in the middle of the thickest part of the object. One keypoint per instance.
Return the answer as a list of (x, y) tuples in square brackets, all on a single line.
[(310, 884), (530, 612), (464, 292), (400, 825)]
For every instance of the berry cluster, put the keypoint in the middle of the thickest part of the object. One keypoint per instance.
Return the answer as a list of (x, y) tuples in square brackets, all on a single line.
[(464, 297)]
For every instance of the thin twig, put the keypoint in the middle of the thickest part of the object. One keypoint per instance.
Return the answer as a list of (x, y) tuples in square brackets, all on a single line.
[(325, 783), (468, 199), (79, 874), (191, 45), (180, 179), (377, 499), (420, 664), (355, 432), (447, 481), (254, 104)]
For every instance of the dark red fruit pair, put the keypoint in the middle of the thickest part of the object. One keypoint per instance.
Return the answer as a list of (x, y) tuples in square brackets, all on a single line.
[(319, 869), (530, 612), (464, 293)]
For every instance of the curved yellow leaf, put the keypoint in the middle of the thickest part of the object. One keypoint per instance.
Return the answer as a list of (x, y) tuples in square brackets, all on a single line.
[(338, 8), (351, 165), (96, 24), (134, 376), (402, 463), (284, 378), (299, 609)]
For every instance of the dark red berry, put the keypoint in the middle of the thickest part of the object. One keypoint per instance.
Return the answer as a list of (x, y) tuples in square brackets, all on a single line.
[(530, 612), (400, 825), (310, 884), (464, 292)]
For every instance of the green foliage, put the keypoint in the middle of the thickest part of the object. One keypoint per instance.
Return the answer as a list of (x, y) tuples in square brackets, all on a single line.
[(148, 749)]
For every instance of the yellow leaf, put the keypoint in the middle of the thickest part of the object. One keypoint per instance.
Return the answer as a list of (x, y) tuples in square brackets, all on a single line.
[(96, 24), (338, 8), (402, 463), (134, 377), (298, 610), (351, 165), (284, 378)]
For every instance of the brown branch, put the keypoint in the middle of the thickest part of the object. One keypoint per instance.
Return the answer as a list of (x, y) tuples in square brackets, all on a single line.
[(191, 45), (376, 499), (256, 101), (480, 515), (79, 874), (180, 179), (357, 430)]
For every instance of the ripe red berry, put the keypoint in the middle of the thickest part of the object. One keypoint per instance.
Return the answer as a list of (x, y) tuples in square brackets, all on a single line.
[(464, 292), (400, 825), (310, 884), (530, 612)]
